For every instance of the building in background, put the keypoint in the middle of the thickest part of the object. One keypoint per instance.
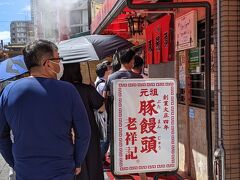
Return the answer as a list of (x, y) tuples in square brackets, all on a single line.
[(79, 17), (21, 32), (50, 20)]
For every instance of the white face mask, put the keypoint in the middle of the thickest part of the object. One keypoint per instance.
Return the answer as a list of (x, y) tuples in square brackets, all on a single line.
[(60, 73)]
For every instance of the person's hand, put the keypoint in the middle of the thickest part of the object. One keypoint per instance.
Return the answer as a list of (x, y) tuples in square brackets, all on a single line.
[(77, 171)]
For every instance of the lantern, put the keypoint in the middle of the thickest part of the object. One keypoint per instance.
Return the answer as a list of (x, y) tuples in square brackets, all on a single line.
[(135, 24)]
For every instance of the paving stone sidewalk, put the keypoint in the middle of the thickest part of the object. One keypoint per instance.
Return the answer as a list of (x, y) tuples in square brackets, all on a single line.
[(4, 169)]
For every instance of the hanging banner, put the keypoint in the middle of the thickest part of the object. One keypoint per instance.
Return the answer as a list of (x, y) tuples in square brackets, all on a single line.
[(145, 126), (166, 37), (158, 37), (149, 44), (186, 31), (157, 45)]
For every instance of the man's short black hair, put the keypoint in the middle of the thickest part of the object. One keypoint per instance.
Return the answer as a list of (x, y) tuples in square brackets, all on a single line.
[(35, 51), (138, 62), (127, 57), (101, 69)]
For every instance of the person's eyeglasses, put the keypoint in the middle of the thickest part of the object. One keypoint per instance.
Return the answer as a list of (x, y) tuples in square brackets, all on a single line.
[(54, 59)]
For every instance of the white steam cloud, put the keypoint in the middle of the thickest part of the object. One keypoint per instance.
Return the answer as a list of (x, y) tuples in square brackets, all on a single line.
[(61, 3), (53, 16)]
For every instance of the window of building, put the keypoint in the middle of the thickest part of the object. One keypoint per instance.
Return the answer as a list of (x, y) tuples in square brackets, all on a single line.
[(79, 21), (76, 17), (196, 68), (75, 30), (85, 17)]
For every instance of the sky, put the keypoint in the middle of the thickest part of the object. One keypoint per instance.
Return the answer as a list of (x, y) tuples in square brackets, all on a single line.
[(12, 10)]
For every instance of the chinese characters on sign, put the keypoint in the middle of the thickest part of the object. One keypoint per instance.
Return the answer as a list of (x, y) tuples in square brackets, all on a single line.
[(158, 41), (186, 31), (145, 126), (194, 60)]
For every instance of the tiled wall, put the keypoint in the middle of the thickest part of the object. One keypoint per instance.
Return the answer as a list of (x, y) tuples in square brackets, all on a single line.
[(230, 58)]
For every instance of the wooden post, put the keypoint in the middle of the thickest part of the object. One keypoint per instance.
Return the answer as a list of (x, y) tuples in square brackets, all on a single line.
[(187, 103)]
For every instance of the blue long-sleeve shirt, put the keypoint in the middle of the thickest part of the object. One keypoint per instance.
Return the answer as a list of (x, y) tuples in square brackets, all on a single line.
[(41, 112)]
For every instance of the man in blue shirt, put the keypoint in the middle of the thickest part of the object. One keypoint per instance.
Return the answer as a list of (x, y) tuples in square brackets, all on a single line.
[(41, 112)]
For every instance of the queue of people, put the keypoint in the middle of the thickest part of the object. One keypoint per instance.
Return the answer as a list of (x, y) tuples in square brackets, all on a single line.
[(48, 126)]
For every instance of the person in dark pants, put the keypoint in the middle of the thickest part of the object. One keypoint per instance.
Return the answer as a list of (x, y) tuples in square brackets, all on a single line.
[(41, 111), (92, 167)]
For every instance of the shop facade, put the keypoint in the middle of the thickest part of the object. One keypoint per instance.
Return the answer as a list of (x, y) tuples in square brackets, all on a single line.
[(168, 55)]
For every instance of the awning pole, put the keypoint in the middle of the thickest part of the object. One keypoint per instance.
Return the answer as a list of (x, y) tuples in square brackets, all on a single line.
[(89, 74)]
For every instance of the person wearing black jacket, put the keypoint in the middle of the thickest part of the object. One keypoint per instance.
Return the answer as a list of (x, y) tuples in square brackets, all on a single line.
[(92, 167)]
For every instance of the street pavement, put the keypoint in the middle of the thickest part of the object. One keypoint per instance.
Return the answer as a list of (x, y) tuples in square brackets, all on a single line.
[(4, 172), (4, 169)]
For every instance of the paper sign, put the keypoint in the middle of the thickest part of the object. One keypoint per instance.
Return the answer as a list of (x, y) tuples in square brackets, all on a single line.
[(186, 31), (145, 126)]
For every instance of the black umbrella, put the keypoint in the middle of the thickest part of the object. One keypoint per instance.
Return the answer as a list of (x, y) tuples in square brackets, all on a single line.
[(91, 47)]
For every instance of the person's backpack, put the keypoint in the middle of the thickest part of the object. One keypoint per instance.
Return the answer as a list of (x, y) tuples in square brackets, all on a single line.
[(99, 82)]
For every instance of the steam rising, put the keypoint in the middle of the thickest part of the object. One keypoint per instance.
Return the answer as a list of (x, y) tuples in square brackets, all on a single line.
[(51, 18), (66, 4)]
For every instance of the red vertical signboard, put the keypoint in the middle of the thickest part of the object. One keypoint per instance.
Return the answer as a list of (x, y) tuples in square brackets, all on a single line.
[(166, 36), (149, 44), (158, 41)]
